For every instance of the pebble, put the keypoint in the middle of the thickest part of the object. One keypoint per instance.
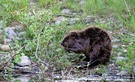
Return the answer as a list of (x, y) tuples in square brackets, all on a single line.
[(18, 28), (119, 53), (132, 34), (133, 68), (14, 33), (73, 20), (102, 20), (10, 33), (23, 78), (60, 19), (123, 72), (8, 40), (25, 61), (5, 47), (121, 58), (123, 45), (66, 11), (21, 34), (57, 22), (115, 46), (110, 32), (115, 40), (82, 2), (125, 50), (89, 19)]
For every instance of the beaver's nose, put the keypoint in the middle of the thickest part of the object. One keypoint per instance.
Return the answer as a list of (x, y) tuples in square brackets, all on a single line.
[(62, 43)]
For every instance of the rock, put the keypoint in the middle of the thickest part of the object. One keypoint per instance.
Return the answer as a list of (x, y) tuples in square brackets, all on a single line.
[(119, 53), (110, 32), (121, 58), (60, 19), (133, 68), (25, 61), (123, 72), (132, 34), (57, 22), (66, 11), (10, 33), (8, 40), (74, 14), (125, 50), (23, 78), (73, 20), (89, 19), (82, 2), (17, 38), (14, 33), (5, 47), (18, 28), (102, 20), (115, 40), (123, 45), (115, 46), (21, 34)]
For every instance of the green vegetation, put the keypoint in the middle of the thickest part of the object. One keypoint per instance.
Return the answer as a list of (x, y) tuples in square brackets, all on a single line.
[(43, 37)]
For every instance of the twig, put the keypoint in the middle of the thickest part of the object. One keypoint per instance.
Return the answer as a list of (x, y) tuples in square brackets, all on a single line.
[(37, 51)]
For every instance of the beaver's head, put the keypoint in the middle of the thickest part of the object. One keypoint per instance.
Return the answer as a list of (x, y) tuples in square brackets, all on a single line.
[(73, 42)]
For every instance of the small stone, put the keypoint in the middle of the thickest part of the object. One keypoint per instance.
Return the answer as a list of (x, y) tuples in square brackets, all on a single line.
[(21, 34), (110, 32), (125, 50), (25, 61), (74, 14), (102, 20), (115, 46), (132, 34), (8, 40), (73, 20), (121, 58), (115, 40), (19, 28), (133, 68), (23, 78), (5, 47), (10, 33), (119, 53), (17, 38), (123, 72), (123, 45), (82, 2), (90, 19), (66, 11), (58, 20)]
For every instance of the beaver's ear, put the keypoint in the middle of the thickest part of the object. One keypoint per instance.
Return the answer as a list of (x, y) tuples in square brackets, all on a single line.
[(74, 34)]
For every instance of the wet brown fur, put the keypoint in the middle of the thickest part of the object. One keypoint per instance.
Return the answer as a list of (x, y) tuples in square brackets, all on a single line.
[(94, 42)]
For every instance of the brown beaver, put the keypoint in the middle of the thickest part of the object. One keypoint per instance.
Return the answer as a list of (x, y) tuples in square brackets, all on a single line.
[(94, 42)]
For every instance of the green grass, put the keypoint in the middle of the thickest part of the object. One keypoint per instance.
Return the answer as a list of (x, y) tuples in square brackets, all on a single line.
[(43, 39)]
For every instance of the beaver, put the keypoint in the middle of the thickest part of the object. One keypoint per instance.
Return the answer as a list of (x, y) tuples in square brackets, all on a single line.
[(94, 42)]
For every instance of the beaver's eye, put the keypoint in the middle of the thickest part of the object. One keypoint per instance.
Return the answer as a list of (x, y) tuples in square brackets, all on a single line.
[(79, 42)]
